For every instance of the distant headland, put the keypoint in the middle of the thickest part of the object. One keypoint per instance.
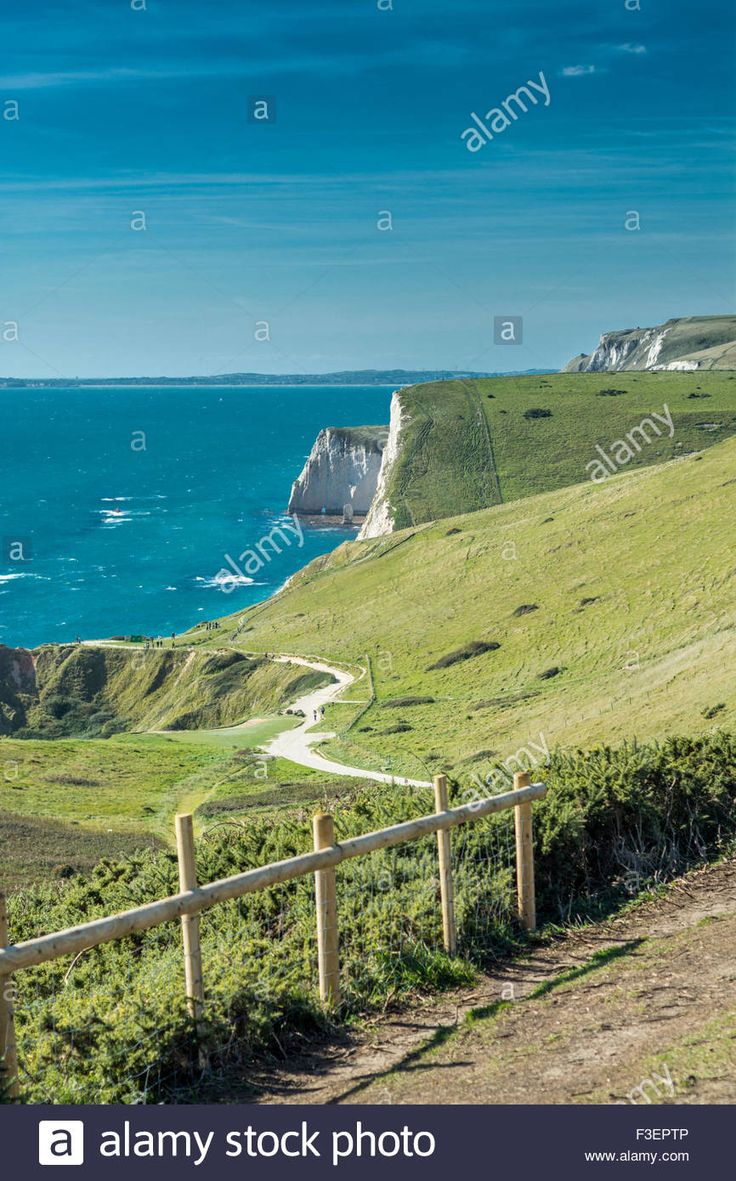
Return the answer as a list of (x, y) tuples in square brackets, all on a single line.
[(395, 377)]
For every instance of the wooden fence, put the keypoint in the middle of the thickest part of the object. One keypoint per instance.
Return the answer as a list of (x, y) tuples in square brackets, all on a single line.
[(327, 855)]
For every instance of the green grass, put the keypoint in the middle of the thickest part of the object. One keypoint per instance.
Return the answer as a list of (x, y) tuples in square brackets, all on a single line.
[(128, 782), (40, 849), (469, 444), (635, 611), (67, 803), (361, 436), (248, 734), (72, 801)]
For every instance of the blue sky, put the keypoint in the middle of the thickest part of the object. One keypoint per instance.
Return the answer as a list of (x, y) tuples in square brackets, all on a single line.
[(123, 109)]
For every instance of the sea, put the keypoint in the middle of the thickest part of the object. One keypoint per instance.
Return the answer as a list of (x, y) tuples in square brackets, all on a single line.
[(122, 509)]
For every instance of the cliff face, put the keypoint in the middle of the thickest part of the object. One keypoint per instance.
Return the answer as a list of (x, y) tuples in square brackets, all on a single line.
[(340, 476), (637, 348), (695, 342), (380, 519), (17, 687)]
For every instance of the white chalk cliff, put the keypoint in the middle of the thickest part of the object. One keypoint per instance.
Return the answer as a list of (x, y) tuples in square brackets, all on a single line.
[(380, 519), (340, 476), (687, 344)]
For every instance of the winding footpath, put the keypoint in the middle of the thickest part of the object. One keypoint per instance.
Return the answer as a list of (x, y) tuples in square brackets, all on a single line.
[(296, 745)]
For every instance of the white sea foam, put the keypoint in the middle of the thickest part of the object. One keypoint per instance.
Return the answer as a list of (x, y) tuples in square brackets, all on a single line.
[(224, 578), (23, 574)]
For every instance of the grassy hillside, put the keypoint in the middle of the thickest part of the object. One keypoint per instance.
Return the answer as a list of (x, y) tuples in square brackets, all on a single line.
[(589, 614), (73, 789), (102, 691), (67, 803), (470, 444)]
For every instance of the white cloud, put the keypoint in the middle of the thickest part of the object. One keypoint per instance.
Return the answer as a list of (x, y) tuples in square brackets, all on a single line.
[(631, 48), (578, 71)]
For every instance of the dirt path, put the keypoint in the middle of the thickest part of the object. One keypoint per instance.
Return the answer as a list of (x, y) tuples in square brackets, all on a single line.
[(605, 1015), (296, 745)]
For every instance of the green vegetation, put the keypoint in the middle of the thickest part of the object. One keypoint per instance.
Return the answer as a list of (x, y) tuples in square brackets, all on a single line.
[(38, 849), (467, 445), (633, 610), (466, 652), (370, 437), (84, 691), (112, 1027), (69, 802), (65, 804)]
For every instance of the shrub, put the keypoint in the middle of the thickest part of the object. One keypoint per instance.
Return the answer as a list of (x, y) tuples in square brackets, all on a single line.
[(618, 819), (467, 652), (537, 412), (525, 609), (112, 1026), (713, 710), (400, 702)]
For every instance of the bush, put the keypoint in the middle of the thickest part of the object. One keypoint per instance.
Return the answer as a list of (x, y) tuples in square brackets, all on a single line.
[(467, 652), (537, 412), (525, 609), (615, 820), (549, 673), (113, 1027), (400, 702)]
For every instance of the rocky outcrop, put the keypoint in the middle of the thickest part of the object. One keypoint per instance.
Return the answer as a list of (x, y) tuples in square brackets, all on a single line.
[(340, 476), (688, 344), (380, 519), (17, 687)]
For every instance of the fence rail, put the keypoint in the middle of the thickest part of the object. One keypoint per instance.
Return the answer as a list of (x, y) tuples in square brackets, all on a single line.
[(327, 855)]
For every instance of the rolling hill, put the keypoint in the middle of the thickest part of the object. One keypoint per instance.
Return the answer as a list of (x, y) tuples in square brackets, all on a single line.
[(459, 446), (586, 615)]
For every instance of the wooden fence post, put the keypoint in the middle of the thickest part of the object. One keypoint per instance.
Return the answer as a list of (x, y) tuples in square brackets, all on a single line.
[(9, 1084), (327, 934), (447, 891), (190, 923), (525, 857)]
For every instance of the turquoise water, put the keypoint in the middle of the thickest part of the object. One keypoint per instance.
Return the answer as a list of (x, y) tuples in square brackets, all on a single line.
[(118, 506)]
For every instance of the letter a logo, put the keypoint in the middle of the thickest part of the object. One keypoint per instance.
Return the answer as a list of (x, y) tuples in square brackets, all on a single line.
[(61, 1142)]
